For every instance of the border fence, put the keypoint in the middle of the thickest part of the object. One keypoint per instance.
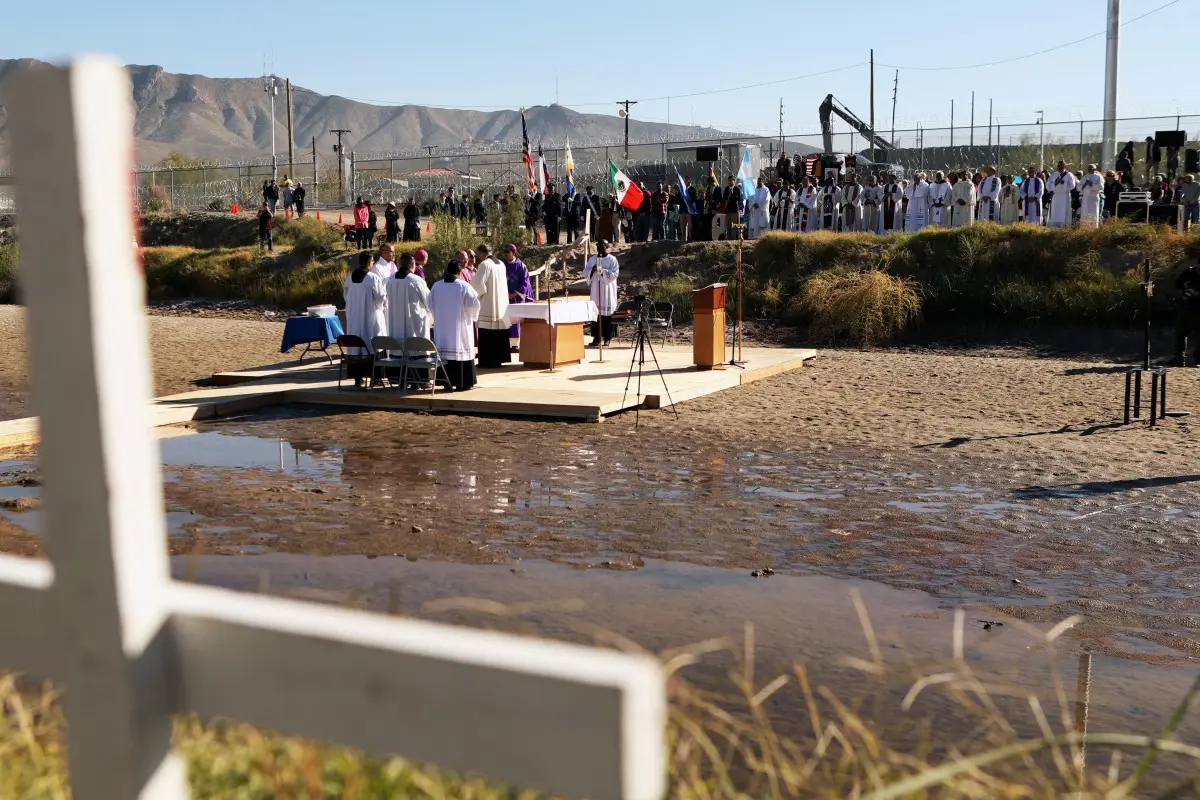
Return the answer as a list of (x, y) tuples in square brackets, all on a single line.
[(424, 172)]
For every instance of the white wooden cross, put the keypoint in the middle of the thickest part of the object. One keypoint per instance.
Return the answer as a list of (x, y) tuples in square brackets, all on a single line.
[(131, 647)]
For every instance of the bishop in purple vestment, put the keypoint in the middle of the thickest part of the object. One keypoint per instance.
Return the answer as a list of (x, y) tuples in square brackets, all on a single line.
[(520, 290)]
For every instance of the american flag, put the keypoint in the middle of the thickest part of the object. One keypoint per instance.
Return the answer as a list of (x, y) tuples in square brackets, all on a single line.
[(526, 153)]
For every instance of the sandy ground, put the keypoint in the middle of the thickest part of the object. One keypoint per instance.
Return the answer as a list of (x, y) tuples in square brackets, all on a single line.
[(182, 349)]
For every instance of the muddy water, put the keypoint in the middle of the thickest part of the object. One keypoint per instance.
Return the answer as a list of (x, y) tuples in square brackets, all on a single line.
[(569, 530)]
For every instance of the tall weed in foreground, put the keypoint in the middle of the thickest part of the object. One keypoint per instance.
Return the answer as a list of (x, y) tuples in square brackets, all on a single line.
[(450, 235), (309, 237), (727, 743), (860, 307)]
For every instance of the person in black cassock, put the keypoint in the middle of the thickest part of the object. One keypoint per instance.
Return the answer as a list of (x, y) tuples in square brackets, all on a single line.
[(412, 221), (573, 214), (391, 223), (552, 207)]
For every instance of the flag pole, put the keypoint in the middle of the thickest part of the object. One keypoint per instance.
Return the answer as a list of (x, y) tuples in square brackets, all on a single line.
[(587, 246)]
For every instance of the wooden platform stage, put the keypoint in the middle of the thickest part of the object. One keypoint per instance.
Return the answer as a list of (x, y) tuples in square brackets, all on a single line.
[(587, 391)]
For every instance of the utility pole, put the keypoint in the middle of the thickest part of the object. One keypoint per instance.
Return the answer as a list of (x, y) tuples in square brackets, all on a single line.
[(951, 123), (337, 148), (781, 126), (872, 105), (972, 140), (989, 122), (1108, 149), (314, 182), (1041, 140), (895, 91), (429, 148), (271, 87), (291, 139), (625, 114)]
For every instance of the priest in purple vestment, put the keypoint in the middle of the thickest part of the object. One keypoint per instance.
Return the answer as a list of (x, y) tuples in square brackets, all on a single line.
[(520, 290)]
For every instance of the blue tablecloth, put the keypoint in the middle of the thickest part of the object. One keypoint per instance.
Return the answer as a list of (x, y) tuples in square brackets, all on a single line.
[(303, 330)]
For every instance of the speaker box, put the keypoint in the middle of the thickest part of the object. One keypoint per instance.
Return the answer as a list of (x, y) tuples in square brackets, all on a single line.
[(708, 154), (1191, 161), (1170, 138)]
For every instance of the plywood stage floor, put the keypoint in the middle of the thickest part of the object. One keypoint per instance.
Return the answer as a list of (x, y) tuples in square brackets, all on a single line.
[(587, 391)]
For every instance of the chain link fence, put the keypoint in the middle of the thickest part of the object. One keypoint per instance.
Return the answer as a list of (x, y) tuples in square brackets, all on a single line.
[(425, 172)]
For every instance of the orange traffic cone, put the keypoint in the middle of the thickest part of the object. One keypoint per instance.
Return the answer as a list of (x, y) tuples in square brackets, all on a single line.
[(287, 213), (428, 227), (537, 236), (318, 216), (233, 209), (339, 219)]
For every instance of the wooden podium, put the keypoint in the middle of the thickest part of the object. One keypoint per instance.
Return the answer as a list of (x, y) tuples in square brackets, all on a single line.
[(708, 326)]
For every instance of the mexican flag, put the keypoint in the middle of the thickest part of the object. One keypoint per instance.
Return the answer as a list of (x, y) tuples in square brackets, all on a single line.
[(628, 194)]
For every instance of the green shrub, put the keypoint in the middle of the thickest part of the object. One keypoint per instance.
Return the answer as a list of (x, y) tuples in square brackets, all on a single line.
[(861, 307), (450, 234), (9, 255), (309, 237), (677, 290)]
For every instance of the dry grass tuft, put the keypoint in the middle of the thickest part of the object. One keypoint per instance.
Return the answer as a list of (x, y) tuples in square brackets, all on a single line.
[(861, 307)]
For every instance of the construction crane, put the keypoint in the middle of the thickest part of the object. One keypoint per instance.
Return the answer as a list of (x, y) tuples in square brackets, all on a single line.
[(832, 106)]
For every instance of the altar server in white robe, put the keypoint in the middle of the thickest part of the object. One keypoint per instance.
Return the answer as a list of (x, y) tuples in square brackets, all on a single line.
[(891, 215), (385, 263), (872, 200), (989, 196), (1090, 190), (1010, 200), (601, 272), (939, 200), (1032, 189), (490, 283), (455, 307), (409, 315), (1062, 183), (917, 195), (852, 205), (806, 207), (759, 210), (962, 207), (830, 205), (366, 304)]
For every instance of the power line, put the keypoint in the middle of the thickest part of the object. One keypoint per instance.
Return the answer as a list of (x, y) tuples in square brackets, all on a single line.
[(673, 95), (1032, 55)]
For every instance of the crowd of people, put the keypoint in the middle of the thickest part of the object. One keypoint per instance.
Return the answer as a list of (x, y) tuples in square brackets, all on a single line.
[(464, 311)]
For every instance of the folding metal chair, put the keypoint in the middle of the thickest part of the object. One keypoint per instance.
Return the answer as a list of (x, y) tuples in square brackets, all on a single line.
[(662, 317), (385, 357), (422, 353), (353, 366)]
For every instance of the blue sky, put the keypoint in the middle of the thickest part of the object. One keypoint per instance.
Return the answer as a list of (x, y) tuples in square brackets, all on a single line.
[(504, 54)]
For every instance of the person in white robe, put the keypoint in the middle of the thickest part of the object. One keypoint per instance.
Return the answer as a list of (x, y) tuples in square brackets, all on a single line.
[(1091, 188), (872, 203), (490, 283), (1010, 201), (852, 205), (989, 196), (1032, 189), (759, 210), (1062, 183), (830, 205), (939, 200), (917, 198), (891, 215), (408, 312), (455, 307), (962, 206), (601, 272), (806, 210), (385, 263), (366, 305)]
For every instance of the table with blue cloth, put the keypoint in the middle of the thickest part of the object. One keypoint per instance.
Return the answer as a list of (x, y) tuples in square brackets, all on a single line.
[(310, 331)]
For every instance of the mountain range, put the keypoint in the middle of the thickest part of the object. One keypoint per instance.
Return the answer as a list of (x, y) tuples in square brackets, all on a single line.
[(230, 118)]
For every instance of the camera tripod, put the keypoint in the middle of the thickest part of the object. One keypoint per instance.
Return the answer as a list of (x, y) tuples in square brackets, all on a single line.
[(641, 341)]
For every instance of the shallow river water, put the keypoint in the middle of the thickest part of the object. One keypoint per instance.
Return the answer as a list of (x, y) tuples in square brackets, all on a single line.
[(583, 533)]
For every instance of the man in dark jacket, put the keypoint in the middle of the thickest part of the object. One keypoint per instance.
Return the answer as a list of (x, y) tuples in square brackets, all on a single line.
[(658, 212), (1187, 323), (553, 209), (298, 198), (574, 213), (266, 220), (1153, 159)]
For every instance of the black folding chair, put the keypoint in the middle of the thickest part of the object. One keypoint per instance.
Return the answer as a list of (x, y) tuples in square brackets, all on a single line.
[(662, 317), (358, 366)]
